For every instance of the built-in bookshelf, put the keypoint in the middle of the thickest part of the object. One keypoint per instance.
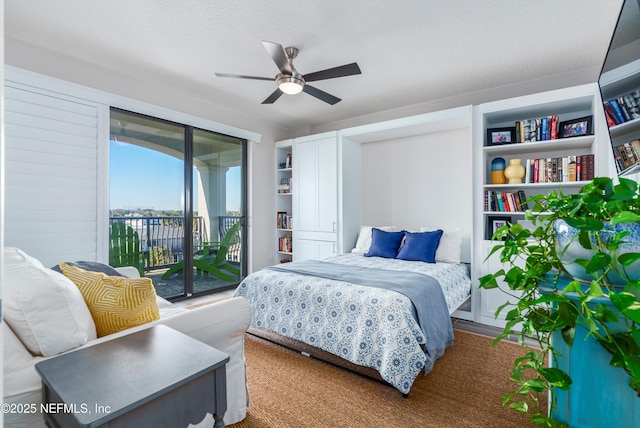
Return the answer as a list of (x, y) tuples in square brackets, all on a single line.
[(555, 137), (620, 89), (551, 159), (284, 203)]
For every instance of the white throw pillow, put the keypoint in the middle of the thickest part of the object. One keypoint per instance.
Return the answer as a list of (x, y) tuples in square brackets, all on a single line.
[(364, 238), (450, 247), (43, 307)]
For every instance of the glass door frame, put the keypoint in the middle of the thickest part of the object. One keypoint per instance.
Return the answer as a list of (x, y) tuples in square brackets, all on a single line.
[(188, 204)]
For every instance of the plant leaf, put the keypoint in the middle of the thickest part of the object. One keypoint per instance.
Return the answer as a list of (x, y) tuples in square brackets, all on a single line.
[(627, 258), (556, 377), (598, 262), (625, 217)]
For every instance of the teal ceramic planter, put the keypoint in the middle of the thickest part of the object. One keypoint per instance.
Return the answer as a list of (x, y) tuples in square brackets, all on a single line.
[(569, 249), (600, 396)]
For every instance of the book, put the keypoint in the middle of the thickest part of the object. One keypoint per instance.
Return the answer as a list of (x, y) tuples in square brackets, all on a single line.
[(500, 202), (624, 109), (618, 112), (632, 106), (513, 202), (554, 126), (554, 170), (571, 165), (611, 113), (635, 146), (527, 173), (521, 200), (588, 163)]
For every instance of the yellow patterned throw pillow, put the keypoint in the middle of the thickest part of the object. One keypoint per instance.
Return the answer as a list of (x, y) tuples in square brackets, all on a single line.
[(116, 303)]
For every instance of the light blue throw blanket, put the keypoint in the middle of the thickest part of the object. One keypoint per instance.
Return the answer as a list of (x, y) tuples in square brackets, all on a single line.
[(423, 291)]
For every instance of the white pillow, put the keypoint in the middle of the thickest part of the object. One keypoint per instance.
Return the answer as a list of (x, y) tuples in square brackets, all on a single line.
[(364, 238), (43, 307), (450, 248)]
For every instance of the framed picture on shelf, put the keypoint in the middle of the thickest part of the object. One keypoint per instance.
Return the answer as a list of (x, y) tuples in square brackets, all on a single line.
[(494, 222), (576, 127), (498, 136)]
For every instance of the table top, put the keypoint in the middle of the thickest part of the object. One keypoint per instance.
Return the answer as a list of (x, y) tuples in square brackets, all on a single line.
[(127, 372)]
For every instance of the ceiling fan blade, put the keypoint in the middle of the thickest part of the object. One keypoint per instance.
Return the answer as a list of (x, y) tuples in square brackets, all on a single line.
[(321, 95), (241, 76), (332, 73), (276, 51), (273, 97)]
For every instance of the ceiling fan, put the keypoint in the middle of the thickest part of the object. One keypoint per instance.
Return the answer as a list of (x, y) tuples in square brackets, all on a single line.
[(290, 81)]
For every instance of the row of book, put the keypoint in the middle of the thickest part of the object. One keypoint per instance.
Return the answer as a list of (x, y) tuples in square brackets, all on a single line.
[(497, 201), (539, 129), (623, 109), (286, 185), (627, 154), (558, 170), (284, 220), (284, 244)]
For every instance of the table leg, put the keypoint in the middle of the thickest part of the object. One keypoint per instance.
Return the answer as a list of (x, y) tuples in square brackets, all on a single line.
[(218, 422)]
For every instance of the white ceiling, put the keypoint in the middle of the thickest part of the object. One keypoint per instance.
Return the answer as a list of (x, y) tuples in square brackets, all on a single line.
[(410, 51)]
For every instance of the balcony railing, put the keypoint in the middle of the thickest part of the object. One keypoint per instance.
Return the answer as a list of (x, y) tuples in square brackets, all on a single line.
[(162, 238)]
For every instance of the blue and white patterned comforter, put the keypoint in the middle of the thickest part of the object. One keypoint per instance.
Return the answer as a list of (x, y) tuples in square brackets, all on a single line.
[(368, 326)]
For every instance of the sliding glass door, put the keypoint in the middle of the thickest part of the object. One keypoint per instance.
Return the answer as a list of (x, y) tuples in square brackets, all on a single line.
[(177, 201)]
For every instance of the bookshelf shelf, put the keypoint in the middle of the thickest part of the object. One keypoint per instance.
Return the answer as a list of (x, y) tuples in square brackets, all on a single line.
[(541, 186), (542, 146)]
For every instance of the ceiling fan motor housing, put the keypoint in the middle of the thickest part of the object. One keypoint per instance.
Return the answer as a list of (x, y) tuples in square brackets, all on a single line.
[(290, 84)]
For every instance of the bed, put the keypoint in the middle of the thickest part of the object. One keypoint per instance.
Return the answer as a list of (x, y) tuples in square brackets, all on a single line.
[(385, 313)]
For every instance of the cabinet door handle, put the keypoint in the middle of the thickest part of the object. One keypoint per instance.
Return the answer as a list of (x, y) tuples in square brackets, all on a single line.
[(334, 226), (335, 248)]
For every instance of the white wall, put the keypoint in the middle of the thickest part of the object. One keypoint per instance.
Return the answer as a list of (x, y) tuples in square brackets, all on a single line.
[(587, 75), (419, 181)]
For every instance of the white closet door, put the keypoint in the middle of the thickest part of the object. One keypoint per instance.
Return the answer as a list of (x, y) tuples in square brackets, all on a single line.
[(305, 186), (327, 181), (51, 164)]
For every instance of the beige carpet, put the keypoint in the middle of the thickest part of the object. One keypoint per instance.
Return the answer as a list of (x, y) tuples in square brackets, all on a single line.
[(463, 390)]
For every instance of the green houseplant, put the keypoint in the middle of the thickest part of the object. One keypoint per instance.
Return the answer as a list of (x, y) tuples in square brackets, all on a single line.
[(545, 303)]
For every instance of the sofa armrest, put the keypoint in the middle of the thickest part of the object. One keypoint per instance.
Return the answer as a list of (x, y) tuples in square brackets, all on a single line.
[(128, 271), (216, 324)]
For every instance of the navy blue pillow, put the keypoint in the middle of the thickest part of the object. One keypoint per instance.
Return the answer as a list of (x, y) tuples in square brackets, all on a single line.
[(420, 246), (384, 244)]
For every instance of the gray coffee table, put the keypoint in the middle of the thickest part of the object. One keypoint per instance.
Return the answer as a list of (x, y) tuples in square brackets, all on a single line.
[(156, 377)]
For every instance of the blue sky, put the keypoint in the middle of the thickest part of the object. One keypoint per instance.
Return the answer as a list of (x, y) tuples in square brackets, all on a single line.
[(145, 178)]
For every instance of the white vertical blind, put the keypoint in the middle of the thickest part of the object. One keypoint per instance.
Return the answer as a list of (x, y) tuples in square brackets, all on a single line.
[(51, 164)]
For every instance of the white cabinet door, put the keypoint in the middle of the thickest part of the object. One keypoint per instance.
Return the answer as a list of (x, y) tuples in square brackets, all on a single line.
[(315, 184), (310, 249), (305, 185), (327, 196)]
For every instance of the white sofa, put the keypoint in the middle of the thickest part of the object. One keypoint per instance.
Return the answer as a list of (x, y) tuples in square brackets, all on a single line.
[(221, 325)]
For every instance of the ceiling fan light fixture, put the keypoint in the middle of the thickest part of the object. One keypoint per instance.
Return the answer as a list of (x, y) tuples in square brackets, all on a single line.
[(290, 85)]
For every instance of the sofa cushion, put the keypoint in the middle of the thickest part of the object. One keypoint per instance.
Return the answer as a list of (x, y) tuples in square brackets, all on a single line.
[(115, 302), (92, 266), (43, 308)]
